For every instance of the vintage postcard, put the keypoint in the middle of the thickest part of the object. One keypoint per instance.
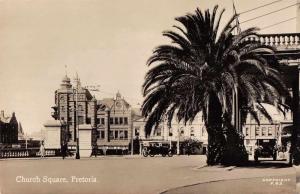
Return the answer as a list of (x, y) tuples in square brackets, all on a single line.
[(149, 97)]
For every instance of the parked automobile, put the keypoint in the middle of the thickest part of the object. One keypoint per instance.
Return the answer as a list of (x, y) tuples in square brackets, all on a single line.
[(157, 148), (265, 148)]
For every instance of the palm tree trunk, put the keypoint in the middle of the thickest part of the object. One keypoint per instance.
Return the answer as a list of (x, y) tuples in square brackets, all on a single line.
[(216, 140), (225, 142)]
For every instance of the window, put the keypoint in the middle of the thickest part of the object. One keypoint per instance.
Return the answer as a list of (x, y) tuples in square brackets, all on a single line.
[(121, 120), (62, 109), (80, 108), (88, 120), (63, 118), (136, 130), (97, 121), (116, 134), (270, 131), (80, 120), (121, 134), (192, 132), (116, 120), (125, 120), (70, 108), (125, 134), (102, 134), (111, 135), (247, 131), (111, 120), (102, 121), (70, 119), (264, 131), (257, 131)]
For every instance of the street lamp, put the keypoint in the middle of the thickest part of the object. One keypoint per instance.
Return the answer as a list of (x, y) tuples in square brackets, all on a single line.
[(76, 120), (178, 144)]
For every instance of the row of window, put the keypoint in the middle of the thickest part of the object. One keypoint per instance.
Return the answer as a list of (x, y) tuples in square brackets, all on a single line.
[(115, 134), (263, 131), (158, 131), (118, 120), (113, 121)]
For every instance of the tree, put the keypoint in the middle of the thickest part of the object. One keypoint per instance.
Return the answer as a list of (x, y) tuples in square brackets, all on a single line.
[(201, 71)]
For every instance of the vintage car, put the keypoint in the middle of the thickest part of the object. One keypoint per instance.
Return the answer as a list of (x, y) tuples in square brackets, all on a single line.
[(265, 148), (153, 148)]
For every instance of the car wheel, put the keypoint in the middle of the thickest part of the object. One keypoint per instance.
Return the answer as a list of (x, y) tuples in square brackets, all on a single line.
[(145, 153)]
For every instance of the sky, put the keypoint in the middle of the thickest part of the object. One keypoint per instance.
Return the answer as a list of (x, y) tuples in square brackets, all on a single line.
[(106, 42)]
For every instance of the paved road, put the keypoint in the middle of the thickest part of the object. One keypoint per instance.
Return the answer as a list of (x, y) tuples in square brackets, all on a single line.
[(128, 175), (113, 174), (298, 179), (267, 185)]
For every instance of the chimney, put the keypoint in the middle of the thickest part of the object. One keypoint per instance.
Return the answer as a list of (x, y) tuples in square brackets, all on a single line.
[(2, 114)]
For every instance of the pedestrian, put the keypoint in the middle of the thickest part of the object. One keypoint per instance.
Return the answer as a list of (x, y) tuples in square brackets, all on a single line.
[(64, 149), (94, 151), (42, 150), (188, 149)]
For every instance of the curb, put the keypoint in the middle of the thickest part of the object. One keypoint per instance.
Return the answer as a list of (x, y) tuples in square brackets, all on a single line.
[(213, 181)]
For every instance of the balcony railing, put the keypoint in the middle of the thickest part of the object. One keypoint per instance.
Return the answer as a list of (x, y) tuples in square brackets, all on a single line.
[(27, 153), (288, 41)]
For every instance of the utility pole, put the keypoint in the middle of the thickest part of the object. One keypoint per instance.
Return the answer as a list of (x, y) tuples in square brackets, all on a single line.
[(26, 137), (76, 118), (132, 130), (178, 137)]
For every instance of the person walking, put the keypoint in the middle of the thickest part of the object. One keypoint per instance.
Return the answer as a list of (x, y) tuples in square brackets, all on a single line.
[(64, 149), (42, 150), (94, 151)]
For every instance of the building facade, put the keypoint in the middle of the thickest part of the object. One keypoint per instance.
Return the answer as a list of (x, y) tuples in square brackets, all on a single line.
[(266, 130), (177, 132), (115, 124), (8, 129), (109, 118)]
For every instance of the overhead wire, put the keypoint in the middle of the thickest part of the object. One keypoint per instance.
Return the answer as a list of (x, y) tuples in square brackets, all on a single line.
[(269, 13), (269, 26), (260, 7)]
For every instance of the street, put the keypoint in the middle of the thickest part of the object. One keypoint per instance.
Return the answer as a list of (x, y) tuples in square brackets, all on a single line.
[(136, 174), (298, 179)]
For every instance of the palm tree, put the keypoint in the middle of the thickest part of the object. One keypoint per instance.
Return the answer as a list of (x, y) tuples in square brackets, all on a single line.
[(202, 71)]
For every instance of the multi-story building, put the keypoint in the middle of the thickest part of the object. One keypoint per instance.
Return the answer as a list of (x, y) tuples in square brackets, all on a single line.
[(177, 132), (65, 106), (115, 123), (8, 129), (110, 118), (266, 130)]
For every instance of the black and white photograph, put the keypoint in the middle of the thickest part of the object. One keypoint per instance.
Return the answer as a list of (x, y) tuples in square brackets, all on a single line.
[(149, 97)]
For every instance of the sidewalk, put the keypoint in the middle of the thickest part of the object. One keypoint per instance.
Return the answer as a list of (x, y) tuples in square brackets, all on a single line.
[(278, 178)]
